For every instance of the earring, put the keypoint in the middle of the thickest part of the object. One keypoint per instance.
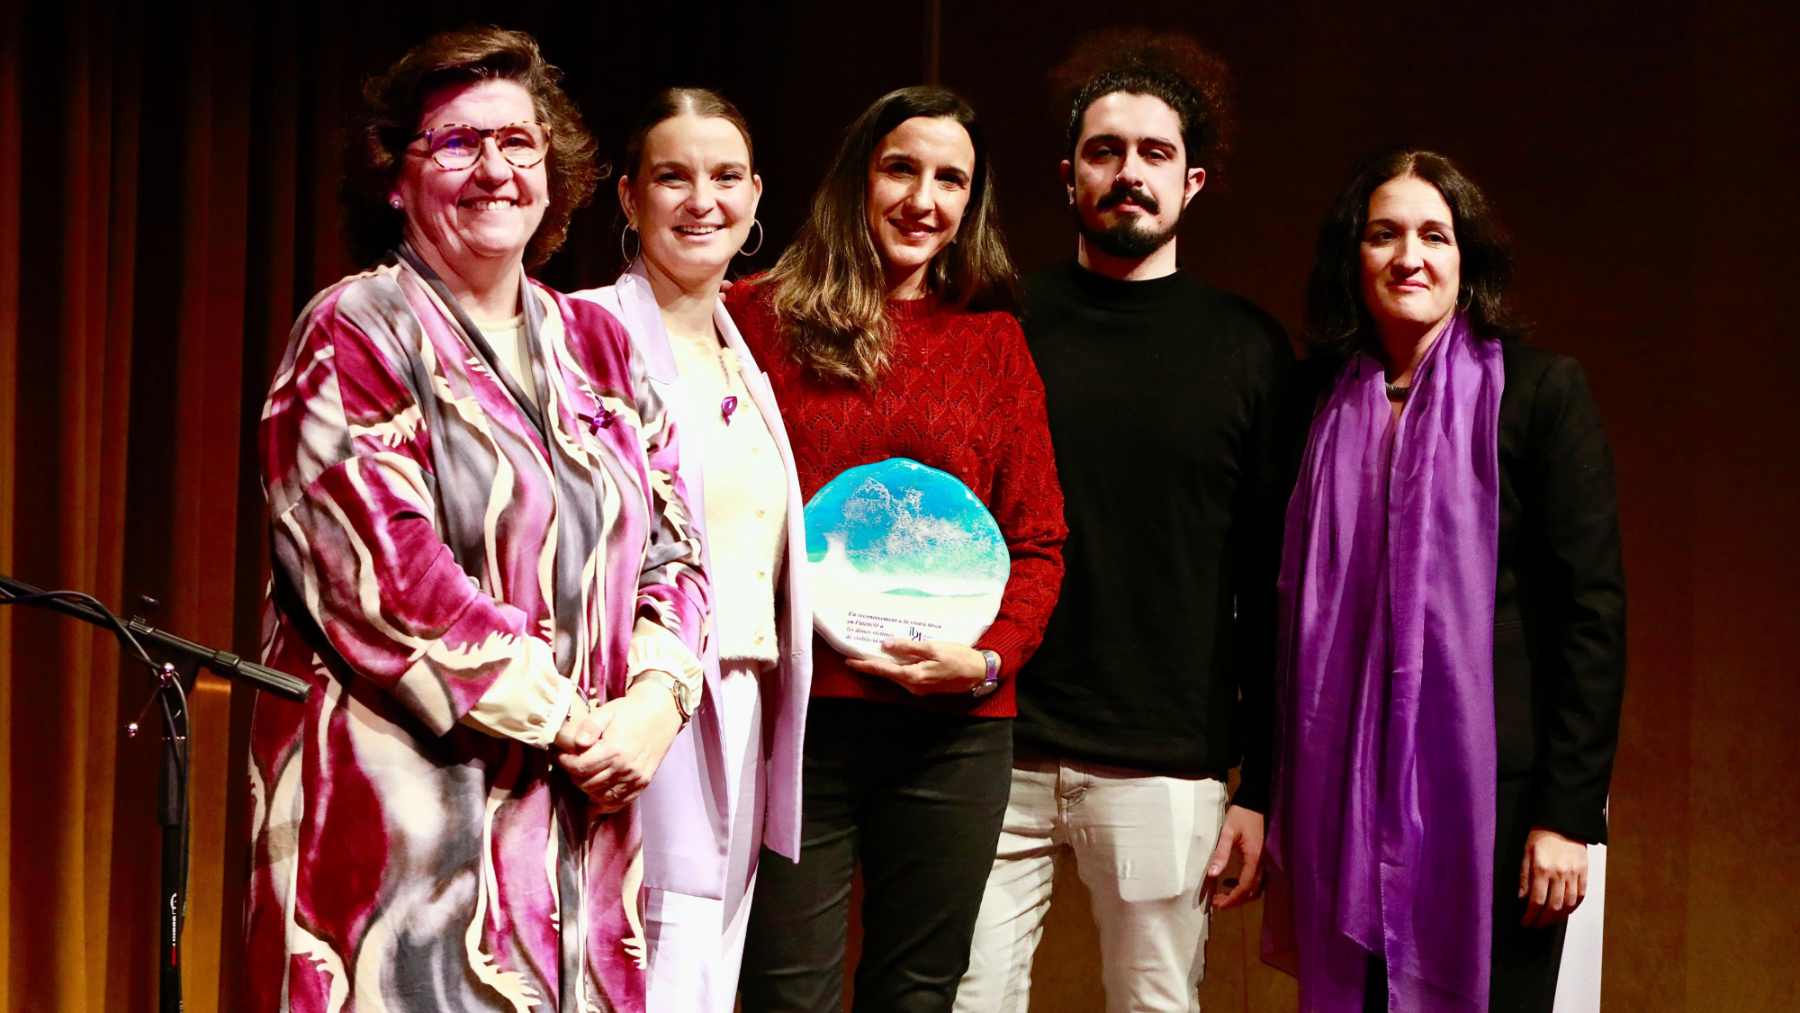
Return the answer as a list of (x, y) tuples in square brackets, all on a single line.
[(628, 255), (1071, 193), (1465, 298), (757, 222), (394, 202)]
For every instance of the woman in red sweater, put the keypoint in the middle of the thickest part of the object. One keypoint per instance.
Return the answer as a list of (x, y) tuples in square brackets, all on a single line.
[(874, 345)]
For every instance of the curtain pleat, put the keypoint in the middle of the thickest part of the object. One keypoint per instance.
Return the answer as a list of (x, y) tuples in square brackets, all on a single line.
[(211, 358), (63, 704), (11, 30)]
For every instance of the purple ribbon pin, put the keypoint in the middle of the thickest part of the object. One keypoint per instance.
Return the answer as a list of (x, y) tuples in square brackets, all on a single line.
[(727, 406), (602, 418)]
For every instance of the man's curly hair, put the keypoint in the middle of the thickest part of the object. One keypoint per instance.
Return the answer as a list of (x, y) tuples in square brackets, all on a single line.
[(1172, 67)]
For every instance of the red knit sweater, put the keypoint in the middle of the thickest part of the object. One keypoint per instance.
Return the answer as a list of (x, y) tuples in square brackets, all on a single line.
[(960, 394)]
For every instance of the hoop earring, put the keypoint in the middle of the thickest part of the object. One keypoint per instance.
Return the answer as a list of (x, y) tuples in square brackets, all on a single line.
[(1465, 299), (757, 222), (623, 252)]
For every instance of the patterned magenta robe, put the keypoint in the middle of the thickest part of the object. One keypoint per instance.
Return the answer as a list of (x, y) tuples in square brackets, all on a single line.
[(427, 536)]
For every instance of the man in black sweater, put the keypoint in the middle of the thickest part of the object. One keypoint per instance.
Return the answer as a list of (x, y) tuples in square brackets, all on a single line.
[(1165, 403)]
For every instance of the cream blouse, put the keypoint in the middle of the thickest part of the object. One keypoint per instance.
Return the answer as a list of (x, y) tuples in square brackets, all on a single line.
[(746, 497)]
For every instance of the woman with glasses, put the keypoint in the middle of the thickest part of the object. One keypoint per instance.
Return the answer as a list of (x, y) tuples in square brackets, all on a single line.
[(689, 192), (484, 561)]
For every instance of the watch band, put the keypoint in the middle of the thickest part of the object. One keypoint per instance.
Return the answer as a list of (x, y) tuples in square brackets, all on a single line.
[(992, 681), (684, 707)]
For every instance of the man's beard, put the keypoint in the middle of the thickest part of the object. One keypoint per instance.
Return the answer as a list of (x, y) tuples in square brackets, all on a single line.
[(1124, 239)]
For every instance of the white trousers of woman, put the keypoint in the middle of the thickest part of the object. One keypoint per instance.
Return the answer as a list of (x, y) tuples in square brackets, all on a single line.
[(696, 944)]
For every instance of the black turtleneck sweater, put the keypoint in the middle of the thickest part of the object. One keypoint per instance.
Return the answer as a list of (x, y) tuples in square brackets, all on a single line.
[(1175, 449)]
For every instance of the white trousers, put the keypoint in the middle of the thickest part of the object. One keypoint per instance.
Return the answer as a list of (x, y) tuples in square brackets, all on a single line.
[(1140, 844), (1578, 983), (696, 944)]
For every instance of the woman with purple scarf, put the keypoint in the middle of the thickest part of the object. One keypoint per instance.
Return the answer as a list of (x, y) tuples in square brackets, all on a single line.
[(1453, 622)]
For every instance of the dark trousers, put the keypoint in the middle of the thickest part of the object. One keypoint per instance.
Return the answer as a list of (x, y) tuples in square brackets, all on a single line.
[(918, 798), (1525, 961)]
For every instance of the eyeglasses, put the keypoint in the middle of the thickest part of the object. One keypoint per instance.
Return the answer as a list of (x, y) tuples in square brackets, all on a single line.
[(458, 145)]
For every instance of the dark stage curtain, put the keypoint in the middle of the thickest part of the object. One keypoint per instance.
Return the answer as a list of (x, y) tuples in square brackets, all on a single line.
[(168, 185), (167, 204), (150, 263)]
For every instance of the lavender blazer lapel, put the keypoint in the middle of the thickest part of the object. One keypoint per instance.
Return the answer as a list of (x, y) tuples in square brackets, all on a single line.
[(781, 833)]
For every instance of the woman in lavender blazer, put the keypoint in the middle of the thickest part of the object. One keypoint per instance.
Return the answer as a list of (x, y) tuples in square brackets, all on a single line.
[(731, 784)]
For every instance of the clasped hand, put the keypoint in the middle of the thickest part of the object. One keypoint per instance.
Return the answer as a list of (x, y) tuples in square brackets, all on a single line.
[(924, 667), (611, 751)]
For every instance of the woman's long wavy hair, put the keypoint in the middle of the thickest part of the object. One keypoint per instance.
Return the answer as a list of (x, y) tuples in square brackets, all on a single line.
[(831, 295), (1338, 324)]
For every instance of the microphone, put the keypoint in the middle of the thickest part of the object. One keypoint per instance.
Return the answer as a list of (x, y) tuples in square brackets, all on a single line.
[(89, 609)]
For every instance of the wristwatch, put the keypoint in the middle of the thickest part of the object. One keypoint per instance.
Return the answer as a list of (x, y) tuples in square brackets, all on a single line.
[(992, 682)]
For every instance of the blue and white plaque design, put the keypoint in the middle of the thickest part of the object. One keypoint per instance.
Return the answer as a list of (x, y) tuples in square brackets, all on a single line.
[(900, 551)]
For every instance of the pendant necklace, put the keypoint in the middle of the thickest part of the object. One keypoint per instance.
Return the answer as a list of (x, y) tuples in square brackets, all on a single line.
[(727, 369)]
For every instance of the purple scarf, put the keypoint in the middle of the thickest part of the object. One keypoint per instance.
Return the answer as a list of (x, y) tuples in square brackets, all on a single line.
[(1382, 834)]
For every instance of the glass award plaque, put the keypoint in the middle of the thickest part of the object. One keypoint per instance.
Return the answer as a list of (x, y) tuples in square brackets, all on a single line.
[(897, 550)]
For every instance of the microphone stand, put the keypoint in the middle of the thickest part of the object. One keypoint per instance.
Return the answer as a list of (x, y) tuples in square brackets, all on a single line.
[(171, 695)]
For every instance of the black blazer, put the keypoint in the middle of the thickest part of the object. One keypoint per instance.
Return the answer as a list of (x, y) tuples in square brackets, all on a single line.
[(1559, 616)]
